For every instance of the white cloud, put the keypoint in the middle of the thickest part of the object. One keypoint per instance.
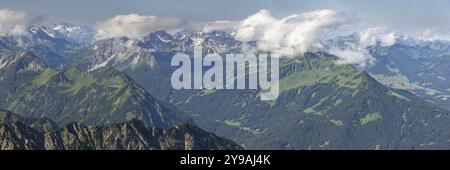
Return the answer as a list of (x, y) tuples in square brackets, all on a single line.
[(356, 52), (388, 39), (255, 26), (15, 22), (374, 35), (357, 56), (432, 34), (134, 26), (290, 35), (298, 33)]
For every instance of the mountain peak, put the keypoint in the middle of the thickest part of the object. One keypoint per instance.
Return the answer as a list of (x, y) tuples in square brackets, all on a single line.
[(102, 96), (20, 61)]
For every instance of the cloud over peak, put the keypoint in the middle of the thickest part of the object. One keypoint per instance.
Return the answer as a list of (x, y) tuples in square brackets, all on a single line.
[(374, 35), (293, 34), (289, 35), (16, 22), (134, 25)]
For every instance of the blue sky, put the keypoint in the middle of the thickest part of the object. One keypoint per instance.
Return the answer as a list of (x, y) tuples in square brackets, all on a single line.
[(400, 14)]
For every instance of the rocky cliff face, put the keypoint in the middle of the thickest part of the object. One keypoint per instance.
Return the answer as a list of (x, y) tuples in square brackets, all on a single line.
[(133, 135)]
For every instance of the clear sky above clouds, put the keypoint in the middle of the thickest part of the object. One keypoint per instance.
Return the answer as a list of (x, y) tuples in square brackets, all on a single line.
[(401, 14)]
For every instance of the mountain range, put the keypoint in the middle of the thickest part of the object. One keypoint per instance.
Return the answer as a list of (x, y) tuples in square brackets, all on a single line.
[(421, 68), (123, 83)]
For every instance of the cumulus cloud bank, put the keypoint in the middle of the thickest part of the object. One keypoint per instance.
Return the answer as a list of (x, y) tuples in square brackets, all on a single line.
[(134, 25), (15, 22), (299, 33), (290, 35)]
